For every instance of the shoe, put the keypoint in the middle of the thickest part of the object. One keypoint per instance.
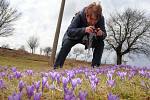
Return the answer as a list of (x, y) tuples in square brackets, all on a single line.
[(95, 66), (61, 66), (55, 67)]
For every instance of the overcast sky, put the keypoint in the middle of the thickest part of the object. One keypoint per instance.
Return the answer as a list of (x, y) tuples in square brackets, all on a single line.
[(39, 17)]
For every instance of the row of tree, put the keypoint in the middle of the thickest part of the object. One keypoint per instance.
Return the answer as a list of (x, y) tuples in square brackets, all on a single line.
[(33, 44), (128, 31)]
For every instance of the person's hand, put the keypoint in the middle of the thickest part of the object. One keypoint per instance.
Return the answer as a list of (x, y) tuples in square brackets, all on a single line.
[(99, 32), (89, 29)]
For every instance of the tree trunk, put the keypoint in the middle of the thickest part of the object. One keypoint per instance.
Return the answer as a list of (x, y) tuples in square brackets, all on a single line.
[(76, 57), (32, 51), (119, 59)]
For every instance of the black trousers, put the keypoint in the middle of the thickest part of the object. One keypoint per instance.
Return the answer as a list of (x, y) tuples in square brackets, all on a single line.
[(97, 45)]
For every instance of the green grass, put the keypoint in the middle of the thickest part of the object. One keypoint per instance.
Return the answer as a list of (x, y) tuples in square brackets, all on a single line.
[(24, 63)]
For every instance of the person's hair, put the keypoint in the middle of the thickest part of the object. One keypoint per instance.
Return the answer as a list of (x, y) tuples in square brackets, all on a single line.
[(94, 10)]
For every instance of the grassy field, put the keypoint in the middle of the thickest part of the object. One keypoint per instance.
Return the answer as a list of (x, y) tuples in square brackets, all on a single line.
[(23, 60), (76, 81)]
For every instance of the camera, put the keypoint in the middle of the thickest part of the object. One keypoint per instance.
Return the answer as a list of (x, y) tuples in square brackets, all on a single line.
[(95, 30)]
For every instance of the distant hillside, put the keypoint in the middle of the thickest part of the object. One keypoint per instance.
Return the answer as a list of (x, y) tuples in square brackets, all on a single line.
[(12, 52), (5, 52), (22, 58)]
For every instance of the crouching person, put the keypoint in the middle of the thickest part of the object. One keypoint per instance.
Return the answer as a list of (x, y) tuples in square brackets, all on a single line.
[(87, 28)]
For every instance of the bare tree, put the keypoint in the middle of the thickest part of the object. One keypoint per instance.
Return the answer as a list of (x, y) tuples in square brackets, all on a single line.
[(41, 50), (47, 51), (77, 52), (6, 46), (129, 33), (33, 43), (22, 48), (7, 16), (88, 54), (69, 55)]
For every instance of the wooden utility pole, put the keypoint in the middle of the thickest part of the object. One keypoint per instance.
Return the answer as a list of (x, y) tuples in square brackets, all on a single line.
[(55, 43)]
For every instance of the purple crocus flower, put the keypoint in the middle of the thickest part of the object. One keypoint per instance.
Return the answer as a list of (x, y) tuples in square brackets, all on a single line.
[(74, 83), (93, 85), (68, 94), (13, 69), (2, 84), (47, 85), (111, 83), (10, 77), (29, 72), (122, 74), (30, 91), (37, 96), (43, 74), (5, 68), (92, 77), (21, 85), (96, 81), (142, 72), (109, 75), (37, 85), (58, 78), (82, 95), (52, 87), (131, 74), (18, 74), (44, 81), (15, 96), (2, 74), (53, 75), (148, 75), (110, 96), (71, 74), (69, 97), (76, 71), (78, 80), (65, 81)]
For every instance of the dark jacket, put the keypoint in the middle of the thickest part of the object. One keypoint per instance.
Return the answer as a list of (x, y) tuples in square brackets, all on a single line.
[(76, 30)]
